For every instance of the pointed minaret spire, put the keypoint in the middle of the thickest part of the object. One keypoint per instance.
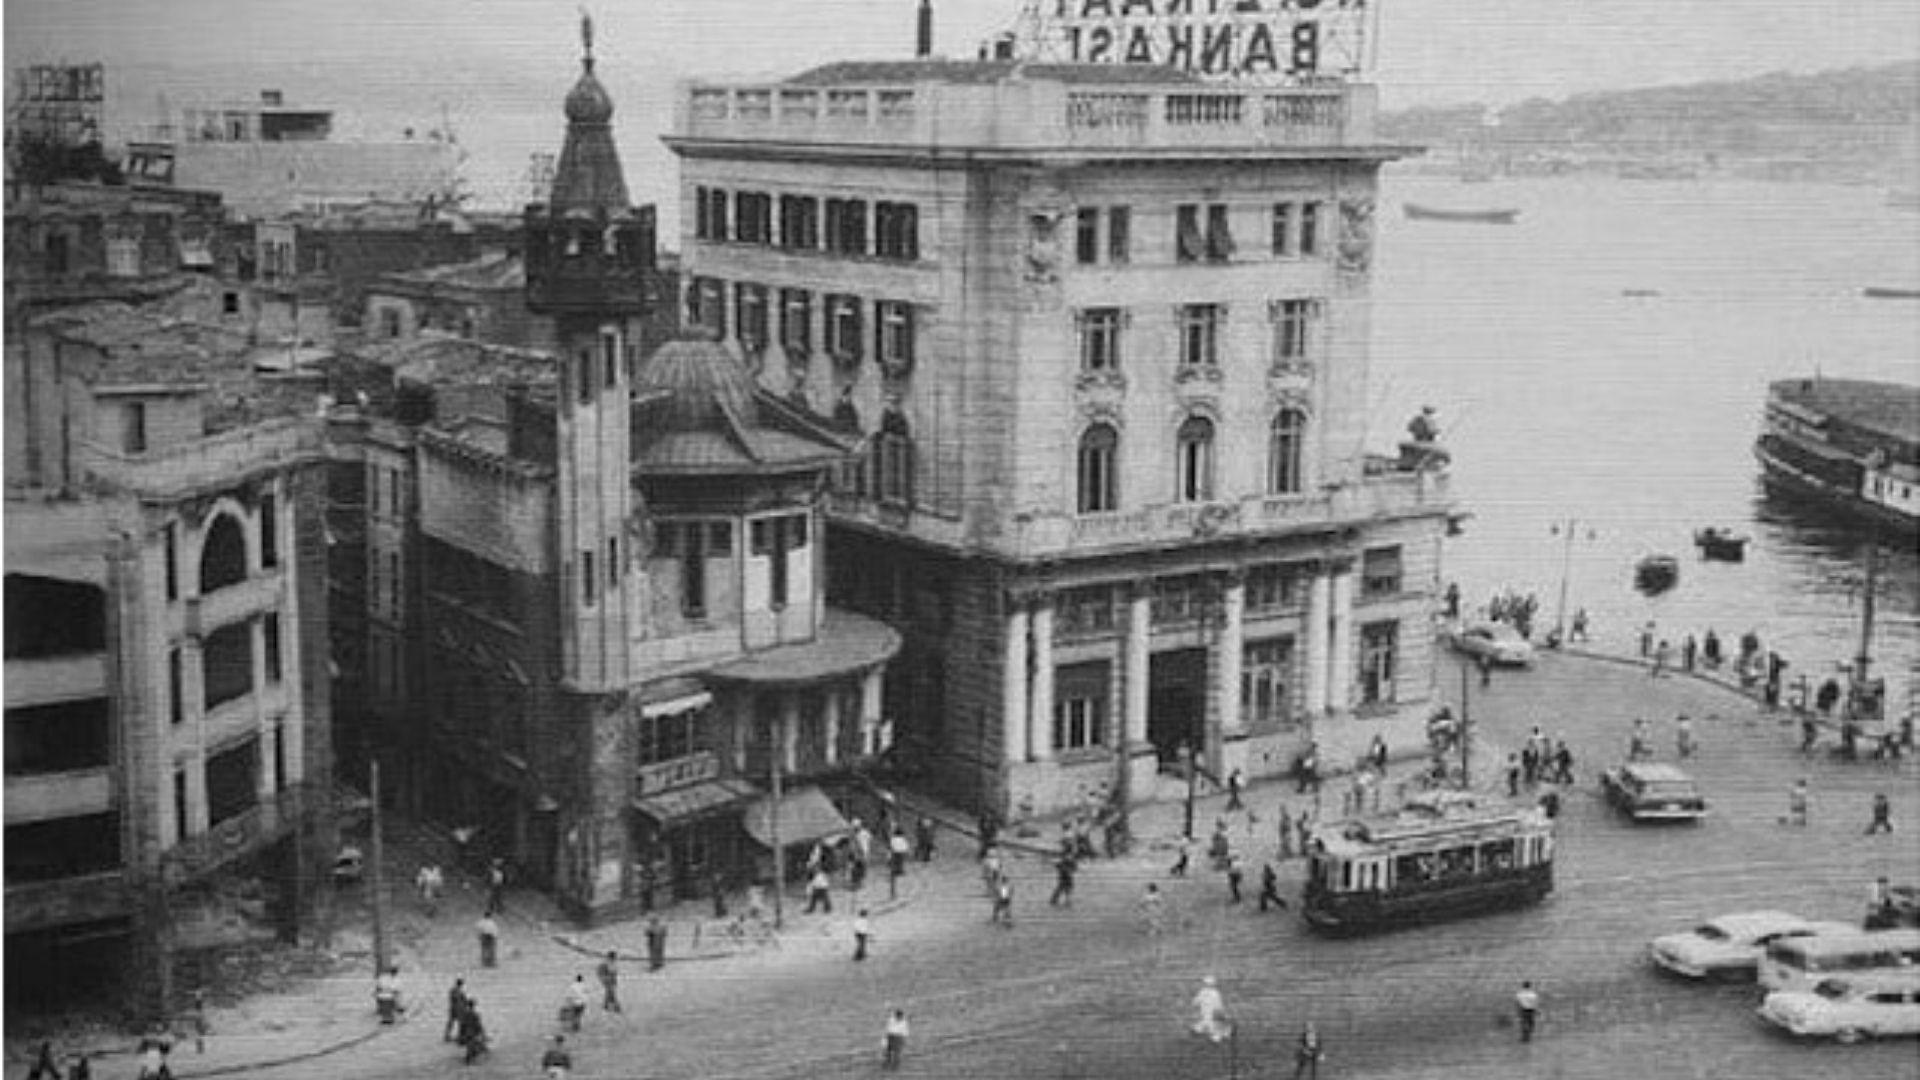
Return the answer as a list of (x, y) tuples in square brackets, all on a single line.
[(586, 40)]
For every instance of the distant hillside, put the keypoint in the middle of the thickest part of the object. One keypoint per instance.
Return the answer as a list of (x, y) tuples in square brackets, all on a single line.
[(1861, 123)]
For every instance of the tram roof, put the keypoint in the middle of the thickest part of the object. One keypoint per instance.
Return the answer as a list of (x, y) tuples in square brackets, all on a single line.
[(1426, 817)]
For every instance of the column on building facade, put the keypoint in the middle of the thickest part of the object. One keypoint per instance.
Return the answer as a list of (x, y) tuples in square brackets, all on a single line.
[(1139, 654), (1040, 715), (831, 709), (787, 740), (262, 719), (1340, 645), (1319, 603), (1014, 686), (870, 718), (1233, 611)]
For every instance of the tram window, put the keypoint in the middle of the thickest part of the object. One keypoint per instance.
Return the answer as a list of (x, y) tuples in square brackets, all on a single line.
[(1346, 877), (1414, 869), (1456, 863), (1497, 855)]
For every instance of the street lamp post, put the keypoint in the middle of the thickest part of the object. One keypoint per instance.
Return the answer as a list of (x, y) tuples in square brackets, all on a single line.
[(1186, 761), (1568, 528), (1466, 717)]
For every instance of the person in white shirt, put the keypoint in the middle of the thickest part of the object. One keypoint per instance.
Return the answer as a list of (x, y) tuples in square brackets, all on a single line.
[(1210, 1010), (896, 1041)]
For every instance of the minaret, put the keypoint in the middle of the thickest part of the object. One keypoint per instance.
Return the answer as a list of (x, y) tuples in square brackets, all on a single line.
[(588, 254)]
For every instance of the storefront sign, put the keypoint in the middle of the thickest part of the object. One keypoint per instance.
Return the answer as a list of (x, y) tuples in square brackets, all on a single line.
[(1260, 40)]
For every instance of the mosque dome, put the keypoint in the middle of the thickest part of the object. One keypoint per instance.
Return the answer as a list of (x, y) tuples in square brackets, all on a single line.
[(588, 102), (708, 388)]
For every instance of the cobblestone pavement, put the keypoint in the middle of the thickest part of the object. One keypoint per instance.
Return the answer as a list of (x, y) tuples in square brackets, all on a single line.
[(1084, 992)]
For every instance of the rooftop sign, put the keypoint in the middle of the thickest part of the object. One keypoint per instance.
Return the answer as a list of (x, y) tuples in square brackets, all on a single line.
[(1255, 40)]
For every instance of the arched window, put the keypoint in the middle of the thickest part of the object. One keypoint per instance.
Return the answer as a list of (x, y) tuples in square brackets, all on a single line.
[(893, 460), (1099, 477), (1195, 460), (223, 558), (1285, 444)]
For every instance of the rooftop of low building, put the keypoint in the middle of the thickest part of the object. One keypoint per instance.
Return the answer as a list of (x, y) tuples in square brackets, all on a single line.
[(979, 72), (492, 272)]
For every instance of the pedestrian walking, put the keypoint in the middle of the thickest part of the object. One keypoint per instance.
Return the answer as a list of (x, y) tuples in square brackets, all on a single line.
[(991, 870), (153, 1050), (1286, 833), (1796, 804), (573, 1007), (1526, 1001), (496, 886), (1661, 654), (1153, 910), (856, 872), (556, 1062), (473, 1032), (819, 892), (1809, 734), (1639, 744), (1210, 1012), (79, 1067), (1513, 775), (386, 995), (43, 1064), (1307, 1054), (897, 852), (1377, 753), (1270, 888), (1882, 814), (1063, 869), (923, 839), (1486, 670), (1710, 648), (1303, 831), (862, 841), (1307, 770), (1683, 736), (895, 1042), (1578, 632), (198, 1021), (1235, 873), (656, 943), (489, 932), (1646, 641), (1236, 783), (1003, 902), (862, 935), (1563, 762), (1183, 859), (456, 1008), (609, 975)]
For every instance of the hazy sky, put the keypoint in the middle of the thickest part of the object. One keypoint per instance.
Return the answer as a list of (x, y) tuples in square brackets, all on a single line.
[(1428, 50)]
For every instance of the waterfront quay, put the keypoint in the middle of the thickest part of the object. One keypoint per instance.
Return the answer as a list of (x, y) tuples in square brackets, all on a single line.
[(1083, 991)]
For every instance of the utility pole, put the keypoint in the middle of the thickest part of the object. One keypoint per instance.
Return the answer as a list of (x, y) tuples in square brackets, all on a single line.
[(1863, 660), (773, 820), (1186, 754), (1466, 772), (1570, 526), (379, 876)]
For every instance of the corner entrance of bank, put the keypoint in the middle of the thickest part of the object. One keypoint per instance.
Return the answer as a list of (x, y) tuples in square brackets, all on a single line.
[(1177, 703)]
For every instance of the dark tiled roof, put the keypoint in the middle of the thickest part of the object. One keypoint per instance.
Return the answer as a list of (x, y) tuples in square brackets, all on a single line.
[(875, 72), (489, 273), (704, 415)]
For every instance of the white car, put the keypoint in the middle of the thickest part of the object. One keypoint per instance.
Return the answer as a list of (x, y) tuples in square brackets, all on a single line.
[(1730, 946), (1849, 1007), (1498, 642)]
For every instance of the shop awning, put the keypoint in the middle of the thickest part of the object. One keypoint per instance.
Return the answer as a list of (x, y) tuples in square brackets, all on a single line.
[(695, 800), (806, 815), (669, 697)]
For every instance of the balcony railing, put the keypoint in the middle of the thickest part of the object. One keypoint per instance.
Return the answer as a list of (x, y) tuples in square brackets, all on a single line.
[(1030, 115), (667, 775)]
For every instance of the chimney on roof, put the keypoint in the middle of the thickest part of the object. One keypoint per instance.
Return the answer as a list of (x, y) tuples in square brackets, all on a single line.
[(923, 40)]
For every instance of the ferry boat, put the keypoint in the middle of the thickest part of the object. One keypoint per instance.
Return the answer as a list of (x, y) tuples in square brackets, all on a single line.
[(1848, 444), (1417, 212), (1442, 855)]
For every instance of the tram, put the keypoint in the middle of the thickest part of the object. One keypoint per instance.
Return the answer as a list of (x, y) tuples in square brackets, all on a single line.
[(1441, 855)]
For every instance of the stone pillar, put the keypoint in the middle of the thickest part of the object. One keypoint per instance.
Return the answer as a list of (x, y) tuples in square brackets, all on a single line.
[(1139, 655), (1233, 608), (832, 711), (1013, 704), (1040, 716), (1319, 601), (262, 722), (1340, 628), (870, 718)]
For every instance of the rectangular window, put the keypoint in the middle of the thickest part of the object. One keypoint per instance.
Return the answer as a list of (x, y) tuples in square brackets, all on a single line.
[(1086, 610), (1293, 326), (227, 664), (233, 778), (799, 222), (719, 540), (896, 231), (669, 738), (176, 700), (707, 305), (393, 583), (893, 339), (1276, 586), (1264, 673), (1119, 234), (1219, 234), (1200, 334), (753, 217), (1100, 339), (613, 562), (843, 328), (1283, 229), (588, 582), (583, 377), (1189, 242), (172, 555), (1380, 572), (847, 226), (693, 567), (270, 631), (609, 365), (1379, 645), (711, 223), (1310, 228), (396, 493), (269, 532), (1080, 705), (180, 819), (63, 848), (796, 322), (134, 436), (66, 737), (1086, 236), (1177, 599), (750, 316)]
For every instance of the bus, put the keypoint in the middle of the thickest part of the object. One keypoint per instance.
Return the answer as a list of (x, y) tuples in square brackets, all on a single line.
[(1800, 963), (1442, 854)]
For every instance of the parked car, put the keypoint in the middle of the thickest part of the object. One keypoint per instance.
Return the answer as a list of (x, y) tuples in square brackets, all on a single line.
[(1653, 791), (1498, 642), (1730, 946), (1849, 1008), (349, 866), (1902, 908)]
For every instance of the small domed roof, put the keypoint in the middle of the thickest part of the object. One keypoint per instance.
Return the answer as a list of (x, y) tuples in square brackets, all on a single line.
[(710, 390), (588, 101)]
